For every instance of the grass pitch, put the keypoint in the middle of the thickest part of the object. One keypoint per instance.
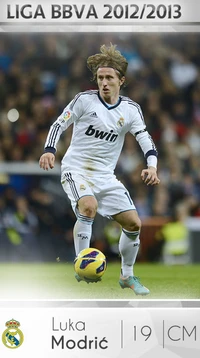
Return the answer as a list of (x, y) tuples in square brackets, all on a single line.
[(56, 281)]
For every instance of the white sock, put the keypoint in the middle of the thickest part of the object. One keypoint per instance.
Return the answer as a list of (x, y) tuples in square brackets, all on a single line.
[(128, 247), (82, 234)]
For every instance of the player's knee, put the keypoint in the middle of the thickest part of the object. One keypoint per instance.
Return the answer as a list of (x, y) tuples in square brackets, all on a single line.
[(88, 207), (90, 211), (133, 225)]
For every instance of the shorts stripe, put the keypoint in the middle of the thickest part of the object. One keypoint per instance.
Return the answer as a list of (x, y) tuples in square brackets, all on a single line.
[(72, 186)]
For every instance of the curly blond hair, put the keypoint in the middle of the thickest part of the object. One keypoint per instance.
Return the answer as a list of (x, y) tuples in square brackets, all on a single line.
[(109, 57)]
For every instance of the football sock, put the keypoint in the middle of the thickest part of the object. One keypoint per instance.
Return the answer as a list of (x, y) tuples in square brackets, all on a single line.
[(82, 234), (128, 247)]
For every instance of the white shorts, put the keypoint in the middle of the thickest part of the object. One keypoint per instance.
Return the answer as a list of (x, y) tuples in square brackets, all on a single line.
[(110, 193)]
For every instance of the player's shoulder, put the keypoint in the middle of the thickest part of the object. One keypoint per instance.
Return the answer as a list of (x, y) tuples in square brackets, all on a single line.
[(83, 97), (86, 94), (130, 102), (134, 108)]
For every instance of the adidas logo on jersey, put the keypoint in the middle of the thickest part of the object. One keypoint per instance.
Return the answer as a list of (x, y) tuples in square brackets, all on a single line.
[(94, 115), (108, 136)]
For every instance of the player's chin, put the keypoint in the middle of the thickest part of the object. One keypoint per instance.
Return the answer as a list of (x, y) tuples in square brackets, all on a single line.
[(105, 93)]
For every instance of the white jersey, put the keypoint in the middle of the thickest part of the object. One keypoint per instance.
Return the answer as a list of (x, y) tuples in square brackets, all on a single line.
[(98, 133)]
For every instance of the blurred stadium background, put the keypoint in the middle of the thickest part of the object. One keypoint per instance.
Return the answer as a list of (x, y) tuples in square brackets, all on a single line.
[(39, 75)]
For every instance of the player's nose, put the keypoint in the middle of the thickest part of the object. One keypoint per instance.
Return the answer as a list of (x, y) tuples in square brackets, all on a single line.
[(105, 83)]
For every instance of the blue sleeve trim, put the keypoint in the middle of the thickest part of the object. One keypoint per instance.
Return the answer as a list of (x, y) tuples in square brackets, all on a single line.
[(50, 150), (151, 152)]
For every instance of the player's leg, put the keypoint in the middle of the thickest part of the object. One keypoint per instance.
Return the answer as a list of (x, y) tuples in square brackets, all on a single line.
[(84, 205), (85, 212), (128, 246), (115, 202), (129, 240)]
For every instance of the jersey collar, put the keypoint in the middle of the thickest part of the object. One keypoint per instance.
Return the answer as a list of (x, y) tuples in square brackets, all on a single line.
[(108, 106)]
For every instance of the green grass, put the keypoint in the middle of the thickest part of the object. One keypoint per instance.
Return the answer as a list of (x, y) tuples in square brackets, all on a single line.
[(56, 281)]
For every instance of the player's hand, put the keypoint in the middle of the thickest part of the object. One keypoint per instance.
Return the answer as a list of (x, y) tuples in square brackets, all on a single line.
[(149, 176), (47, 161)]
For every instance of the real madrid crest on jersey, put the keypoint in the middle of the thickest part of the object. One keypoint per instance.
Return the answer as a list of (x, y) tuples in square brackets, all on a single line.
[(12, 337), (120, 122)]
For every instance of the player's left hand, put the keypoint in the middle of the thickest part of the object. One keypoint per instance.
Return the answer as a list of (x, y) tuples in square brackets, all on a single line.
[(149, 176)]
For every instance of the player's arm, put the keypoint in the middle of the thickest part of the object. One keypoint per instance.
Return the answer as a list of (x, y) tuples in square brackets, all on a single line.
[(47, 161), (67, 117), (138, 129), (148, 175)]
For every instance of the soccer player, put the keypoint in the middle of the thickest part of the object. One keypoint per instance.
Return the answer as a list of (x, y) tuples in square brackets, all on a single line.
[(101, 118)]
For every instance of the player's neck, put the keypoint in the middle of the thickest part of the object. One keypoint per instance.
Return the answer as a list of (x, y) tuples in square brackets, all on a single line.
[(111, 101), (111, 104)]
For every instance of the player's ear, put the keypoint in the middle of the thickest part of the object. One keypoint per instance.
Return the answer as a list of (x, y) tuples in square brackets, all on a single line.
[(122, 80)]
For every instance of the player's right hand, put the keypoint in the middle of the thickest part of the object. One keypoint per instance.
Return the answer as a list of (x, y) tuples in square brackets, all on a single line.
[(47, 161)]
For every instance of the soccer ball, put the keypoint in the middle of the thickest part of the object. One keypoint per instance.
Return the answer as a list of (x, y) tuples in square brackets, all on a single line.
[(90, 264)]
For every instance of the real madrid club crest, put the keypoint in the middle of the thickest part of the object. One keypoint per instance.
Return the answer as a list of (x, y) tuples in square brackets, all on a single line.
[(12, 337), (120, 122)]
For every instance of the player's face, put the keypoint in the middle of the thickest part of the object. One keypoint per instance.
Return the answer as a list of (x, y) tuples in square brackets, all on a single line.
[(109, 84)]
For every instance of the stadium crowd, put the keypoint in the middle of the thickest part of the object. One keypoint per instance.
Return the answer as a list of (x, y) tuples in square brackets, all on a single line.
[(40, 74)]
